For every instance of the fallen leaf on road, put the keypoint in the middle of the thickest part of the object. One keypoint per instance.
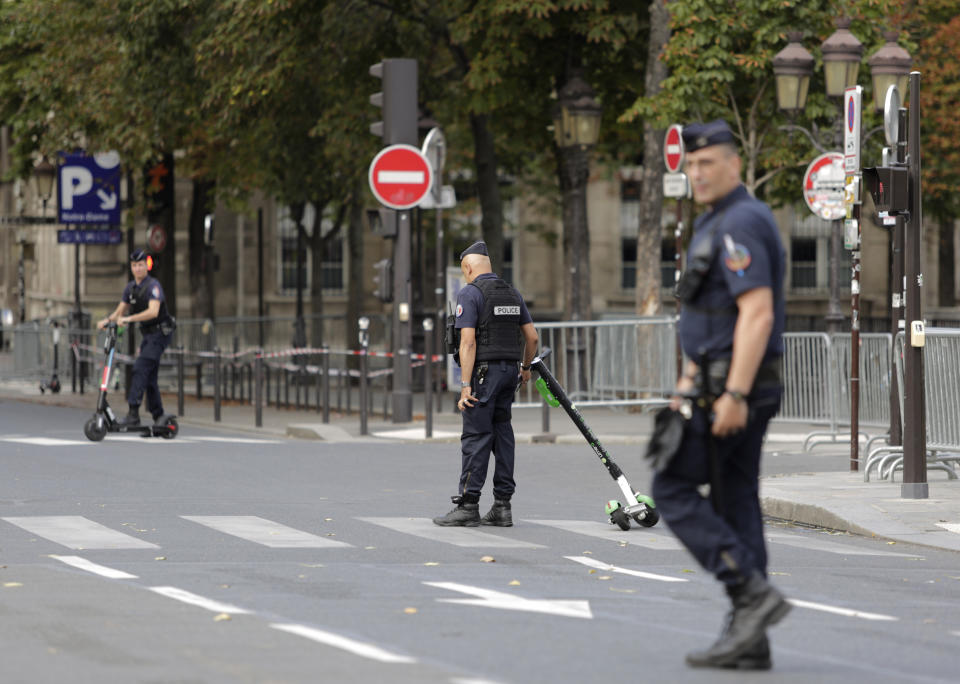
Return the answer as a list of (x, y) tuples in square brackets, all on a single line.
[(591, 572), (604, 577), (160, 558), (588, 553), (221, 617), (514, 583), (431, 563), (488, 559), (623, 591), (11, 585), (410, 611)]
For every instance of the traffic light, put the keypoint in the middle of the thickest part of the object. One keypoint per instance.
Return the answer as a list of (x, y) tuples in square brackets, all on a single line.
[(398, 99), (383, 280), (890, 186), (383, 222)]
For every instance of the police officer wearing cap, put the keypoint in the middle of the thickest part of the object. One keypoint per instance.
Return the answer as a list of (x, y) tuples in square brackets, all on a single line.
[(498, 342), (143, 302), (731, 326)]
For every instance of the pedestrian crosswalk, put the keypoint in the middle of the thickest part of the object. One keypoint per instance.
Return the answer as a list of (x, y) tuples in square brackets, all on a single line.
[(42, 441), (82, 533)]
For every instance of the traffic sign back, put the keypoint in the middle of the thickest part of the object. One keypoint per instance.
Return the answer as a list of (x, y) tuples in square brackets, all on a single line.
[(400, 176), (673, 148)]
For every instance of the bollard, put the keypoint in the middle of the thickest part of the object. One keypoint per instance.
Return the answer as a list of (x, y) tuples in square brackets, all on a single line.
[(200, 378), (216, 384), (180, 381), (364, 342), (258, 402), (545, 416), (326, 384), (428, 376)]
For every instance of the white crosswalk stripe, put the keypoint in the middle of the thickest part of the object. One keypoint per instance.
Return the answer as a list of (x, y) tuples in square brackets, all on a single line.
[(38, 440), (458, 536), (602, 530), (265, 532), (77, 532)]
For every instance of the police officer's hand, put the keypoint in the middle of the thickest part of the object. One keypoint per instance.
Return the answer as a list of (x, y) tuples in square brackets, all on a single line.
[(123, 320), (466, 398), (730, 415), (102, 323), (684, 386), (524, 377)]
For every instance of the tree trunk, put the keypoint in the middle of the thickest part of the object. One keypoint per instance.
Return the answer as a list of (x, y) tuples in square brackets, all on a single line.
[(488, 189), (650, 234), (201, 255), (946, 283)]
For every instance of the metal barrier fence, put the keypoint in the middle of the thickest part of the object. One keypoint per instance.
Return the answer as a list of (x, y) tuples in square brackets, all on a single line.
[(941, 380), (816, 378), (629, 362)]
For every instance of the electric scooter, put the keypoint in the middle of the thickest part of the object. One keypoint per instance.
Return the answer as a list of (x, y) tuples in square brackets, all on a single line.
[(54, 384), (639, 507), (105, 420)]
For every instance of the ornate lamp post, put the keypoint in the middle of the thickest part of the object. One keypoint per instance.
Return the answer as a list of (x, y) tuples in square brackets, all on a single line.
[(45, 174), (576, 127)]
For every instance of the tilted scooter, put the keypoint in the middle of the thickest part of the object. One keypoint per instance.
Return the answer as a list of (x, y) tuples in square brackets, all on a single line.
[(105, 420), (640, 507)]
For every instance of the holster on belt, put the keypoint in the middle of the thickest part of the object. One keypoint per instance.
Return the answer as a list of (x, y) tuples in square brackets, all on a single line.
[(712, 377)]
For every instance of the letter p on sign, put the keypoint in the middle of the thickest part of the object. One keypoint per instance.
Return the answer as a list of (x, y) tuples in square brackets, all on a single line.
[(74, 181)]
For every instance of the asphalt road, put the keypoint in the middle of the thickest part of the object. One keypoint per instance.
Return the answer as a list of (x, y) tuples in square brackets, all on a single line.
[(221, 557)]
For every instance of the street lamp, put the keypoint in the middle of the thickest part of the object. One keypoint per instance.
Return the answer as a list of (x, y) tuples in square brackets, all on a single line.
[(841, 58), (890, 65), (792, 67), (576, 127), (46, 174)]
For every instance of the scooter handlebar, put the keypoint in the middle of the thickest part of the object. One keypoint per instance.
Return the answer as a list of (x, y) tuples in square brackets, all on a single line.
[(542, 356)]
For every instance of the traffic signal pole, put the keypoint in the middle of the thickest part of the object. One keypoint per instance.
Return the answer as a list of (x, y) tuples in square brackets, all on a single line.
[(399, 102)]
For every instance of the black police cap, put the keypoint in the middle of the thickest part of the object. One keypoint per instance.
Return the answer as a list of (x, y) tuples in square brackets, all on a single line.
[(139, 254), (699, 135), (478, 247)]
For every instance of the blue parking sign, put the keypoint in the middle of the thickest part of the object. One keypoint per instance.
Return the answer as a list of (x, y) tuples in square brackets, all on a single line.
[(88, 188)]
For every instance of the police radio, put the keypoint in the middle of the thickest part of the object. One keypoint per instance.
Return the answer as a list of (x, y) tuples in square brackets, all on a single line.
[(451, 335)]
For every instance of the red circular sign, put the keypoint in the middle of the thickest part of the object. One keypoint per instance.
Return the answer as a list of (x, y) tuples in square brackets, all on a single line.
[(823, 185), (673, 148), (156, 238), (400, 176)]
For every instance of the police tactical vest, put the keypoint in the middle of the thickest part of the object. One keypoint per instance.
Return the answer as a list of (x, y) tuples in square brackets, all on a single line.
[(498, 328), (140, 300)]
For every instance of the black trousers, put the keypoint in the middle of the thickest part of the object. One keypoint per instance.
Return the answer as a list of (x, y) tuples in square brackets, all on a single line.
[(486, 428), (727, 542), (145, 370)]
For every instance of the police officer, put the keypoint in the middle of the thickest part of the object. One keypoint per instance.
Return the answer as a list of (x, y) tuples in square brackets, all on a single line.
[(498, 342), (143, 302), (731, 327)]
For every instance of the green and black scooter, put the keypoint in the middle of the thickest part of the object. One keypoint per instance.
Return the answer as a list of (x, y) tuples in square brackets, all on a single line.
[(639, 507)]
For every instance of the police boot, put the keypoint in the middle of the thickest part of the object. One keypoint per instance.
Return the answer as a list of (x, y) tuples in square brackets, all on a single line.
[(499, 514), (160, 419), (756, 606), (466, 514), (132, 419)]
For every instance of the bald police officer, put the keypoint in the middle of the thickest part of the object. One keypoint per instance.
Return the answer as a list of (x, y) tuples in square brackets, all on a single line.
[(731, 327), (497, 344), (143, 302)]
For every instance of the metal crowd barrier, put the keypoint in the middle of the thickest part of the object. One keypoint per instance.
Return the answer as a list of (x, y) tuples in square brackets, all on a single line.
[(941, 379), (816, 379)]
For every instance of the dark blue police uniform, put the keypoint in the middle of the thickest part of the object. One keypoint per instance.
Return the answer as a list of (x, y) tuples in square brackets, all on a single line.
[(154, 342), (747, 253), (486, 425)]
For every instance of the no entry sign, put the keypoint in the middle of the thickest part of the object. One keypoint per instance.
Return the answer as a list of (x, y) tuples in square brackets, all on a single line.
[(400, 176), (673, 148)]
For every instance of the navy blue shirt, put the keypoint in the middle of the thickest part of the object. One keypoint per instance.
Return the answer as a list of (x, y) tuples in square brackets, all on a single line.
[(748, 254), (470, 305), (151, 289)]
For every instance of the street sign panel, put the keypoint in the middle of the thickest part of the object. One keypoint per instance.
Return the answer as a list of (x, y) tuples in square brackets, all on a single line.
[(89, 189), (852, 110), (675, 185), (400, 176), (673, 148), (89, 237), (448, 199), (823, 186)]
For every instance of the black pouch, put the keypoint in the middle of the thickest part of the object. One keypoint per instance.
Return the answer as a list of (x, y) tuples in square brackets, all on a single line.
[(168, 326), (665, 441), (698, 265), (451, 338)]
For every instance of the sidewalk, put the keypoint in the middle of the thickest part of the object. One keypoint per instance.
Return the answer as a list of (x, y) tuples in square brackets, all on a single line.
[(839, 500)]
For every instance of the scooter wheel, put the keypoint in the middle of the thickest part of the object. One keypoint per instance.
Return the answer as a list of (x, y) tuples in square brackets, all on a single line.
[(94, 429), (620, 519), (611, 506), (55, 386), (173, 427), (650, 519)]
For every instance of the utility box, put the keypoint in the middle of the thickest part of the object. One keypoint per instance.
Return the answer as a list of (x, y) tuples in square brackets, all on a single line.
[(890, 188)]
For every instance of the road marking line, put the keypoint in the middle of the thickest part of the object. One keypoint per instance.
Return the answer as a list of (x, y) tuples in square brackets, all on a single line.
[(90, 566), (199, 601), (814, 544), (950, 527), (600, 565), (335, 640), (458, 536), (235, 440), (847, 612), (76, 532), (265, 532), (602, 530), (489, 598), (44, 441)]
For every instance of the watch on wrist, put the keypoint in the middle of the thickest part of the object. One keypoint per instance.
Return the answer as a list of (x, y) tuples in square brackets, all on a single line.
[(464, 384), (527, 367), (737, 396)]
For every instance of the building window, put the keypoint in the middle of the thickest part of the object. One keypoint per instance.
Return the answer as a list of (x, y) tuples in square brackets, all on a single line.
[(507, 260), (331, 269), (629, 230), (668, 263), (803, 264), (810, 256)]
